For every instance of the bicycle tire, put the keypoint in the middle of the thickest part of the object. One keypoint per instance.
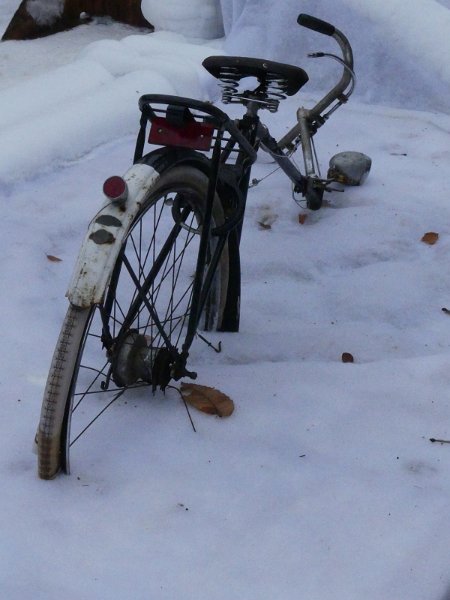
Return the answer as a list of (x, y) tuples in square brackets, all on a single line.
[(80, 368)]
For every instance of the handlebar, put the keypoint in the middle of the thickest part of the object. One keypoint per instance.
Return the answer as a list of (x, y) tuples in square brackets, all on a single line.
[(338, 91), (316, 24), (347, 55)]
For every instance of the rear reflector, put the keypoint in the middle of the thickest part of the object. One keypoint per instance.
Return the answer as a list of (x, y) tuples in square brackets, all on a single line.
[(115, 188), (190, 134)]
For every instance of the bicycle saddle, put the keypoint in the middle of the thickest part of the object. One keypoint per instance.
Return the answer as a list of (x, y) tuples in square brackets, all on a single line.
[(233, 68)]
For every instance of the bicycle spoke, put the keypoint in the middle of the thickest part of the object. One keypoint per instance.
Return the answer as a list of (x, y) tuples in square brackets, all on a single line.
[(116, 397), (151, 309), (93, 382)]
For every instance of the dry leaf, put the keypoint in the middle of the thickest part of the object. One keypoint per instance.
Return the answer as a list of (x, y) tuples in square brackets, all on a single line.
[(266, 217), (53, 258), (430, 238), (264, 225), (347, 357), (207, 399), (302, 218)]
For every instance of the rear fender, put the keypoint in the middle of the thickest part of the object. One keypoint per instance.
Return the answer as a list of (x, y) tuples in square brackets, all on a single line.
[(110, 226), (167, 158), (104, 239)]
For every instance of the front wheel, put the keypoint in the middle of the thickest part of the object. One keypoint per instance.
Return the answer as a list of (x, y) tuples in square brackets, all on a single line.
[(134, 337)]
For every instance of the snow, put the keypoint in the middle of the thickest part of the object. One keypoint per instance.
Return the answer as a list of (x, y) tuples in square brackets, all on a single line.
[(399, 50), (31, 58), (45, 12), (94, 96), (195, 19), (323, 483)]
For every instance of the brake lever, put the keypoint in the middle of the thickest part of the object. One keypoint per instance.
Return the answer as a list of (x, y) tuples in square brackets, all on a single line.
[(342, 62)]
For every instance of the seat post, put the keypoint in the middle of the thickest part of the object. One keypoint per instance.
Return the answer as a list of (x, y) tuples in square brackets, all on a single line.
[(252, 110)]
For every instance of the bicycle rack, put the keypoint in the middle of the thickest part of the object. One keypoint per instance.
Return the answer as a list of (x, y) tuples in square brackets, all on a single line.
[(187, 123)]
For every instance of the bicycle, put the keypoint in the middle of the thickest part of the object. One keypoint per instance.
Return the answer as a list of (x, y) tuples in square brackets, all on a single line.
[(160, 260)]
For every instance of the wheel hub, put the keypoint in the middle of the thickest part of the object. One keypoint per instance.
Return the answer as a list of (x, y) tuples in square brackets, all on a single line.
[(135, 359), (131, 360)]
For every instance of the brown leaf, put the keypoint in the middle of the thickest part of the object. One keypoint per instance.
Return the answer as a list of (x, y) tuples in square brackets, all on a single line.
[(347, 357), (207, 399), (430, 238), (53, 258), (302, 218), (264, 225)]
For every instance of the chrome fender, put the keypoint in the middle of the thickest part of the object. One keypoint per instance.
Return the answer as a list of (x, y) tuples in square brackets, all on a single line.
[(104, 238)]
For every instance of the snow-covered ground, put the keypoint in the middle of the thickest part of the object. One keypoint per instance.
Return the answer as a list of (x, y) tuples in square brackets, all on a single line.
[(323, 484)]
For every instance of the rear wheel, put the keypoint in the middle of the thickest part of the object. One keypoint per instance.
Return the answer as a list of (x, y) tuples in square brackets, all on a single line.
[(136, 335)]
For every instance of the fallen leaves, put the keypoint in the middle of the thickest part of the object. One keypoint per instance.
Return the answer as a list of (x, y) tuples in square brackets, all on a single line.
[(207, 399), (267, 217), (264, 225), (347, 357), (302, 218), (52, 258), (430, 238)]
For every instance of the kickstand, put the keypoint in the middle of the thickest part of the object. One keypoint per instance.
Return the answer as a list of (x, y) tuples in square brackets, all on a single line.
[(217, 349)]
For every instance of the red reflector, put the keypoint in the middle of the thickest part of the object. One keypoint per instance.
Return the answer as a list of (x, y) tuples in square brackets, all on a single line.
[(190, 135), (115, 188)]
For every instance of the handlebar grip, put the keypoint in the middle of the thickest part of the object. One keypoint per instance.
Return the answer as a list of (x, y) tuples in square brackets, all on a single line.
[(316, 24)]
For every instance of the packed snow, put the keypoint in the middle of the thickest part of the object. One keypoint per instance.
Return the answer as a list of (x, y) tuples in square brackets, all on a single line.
[(196, 18), (401, 48), (93, 99), (45, 12), (323, 484)]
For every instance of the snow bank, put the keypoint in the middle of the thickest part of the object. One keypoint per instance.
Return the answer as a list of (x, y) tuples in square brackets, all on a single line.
[(61, 115), (45, 12), (31, 98), (76, 126), (398, 56), (194, 19), (399, 47), (425, 37)]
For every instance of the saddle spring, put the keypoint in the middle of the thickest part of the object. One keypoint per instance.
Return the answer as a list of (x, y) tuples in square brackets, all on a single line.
[(229, 82), (270, 91)]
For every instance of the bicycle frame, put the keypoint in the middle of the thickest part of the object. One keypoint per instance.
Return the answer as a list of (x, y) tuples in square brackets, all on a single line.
[(308, 183), (310, 120), (245, 137)]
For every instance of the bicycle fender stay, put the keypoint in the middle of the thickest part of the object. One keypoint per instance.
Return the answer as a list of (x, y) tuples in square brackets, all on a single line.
[(104, 239)]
